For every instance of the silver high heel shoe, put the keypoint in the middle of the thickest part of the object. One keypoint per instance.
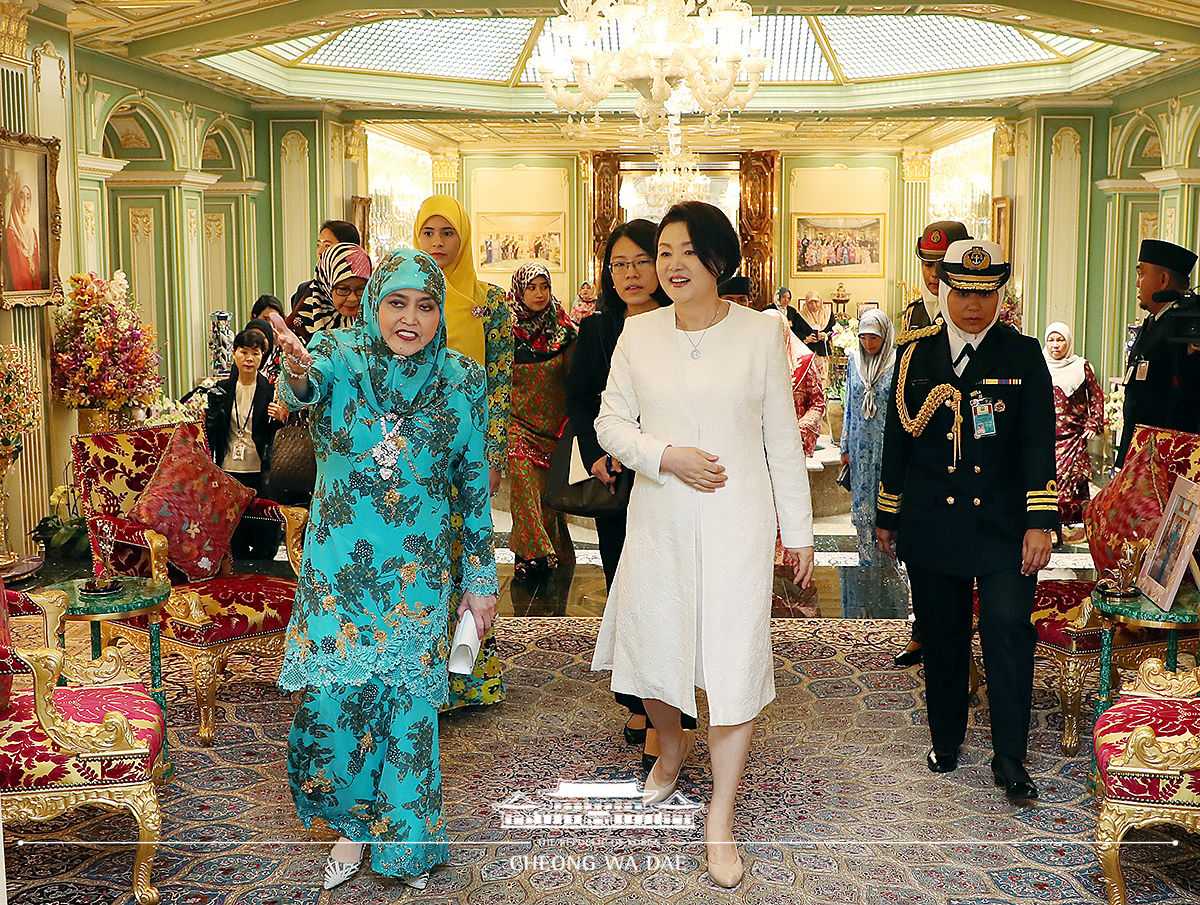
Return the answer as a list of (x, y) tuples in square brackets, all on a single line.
[(418, 882), (338, 872)]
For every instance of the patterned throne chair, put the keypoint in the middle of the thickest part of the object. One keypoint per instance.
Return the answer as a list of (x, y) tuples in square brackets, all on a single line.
[(206, 622), (1148, 760), (98, 742)]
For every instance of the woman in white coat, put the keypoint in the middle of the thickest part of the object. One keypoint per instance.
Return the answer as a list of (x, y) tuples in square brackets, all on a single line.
[(699, 404)]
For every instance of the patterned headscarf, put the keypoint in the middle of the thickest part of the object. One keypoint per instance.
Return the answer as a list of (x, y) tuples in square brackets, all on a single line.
[(391, 382), (338, 262), (538, 335)]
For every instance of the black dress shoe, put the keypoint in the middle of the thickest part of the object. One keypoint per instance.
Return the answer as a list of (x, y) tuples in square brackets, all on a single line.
[(1012, 775), (907, 658), (634, 736), (941, 763)]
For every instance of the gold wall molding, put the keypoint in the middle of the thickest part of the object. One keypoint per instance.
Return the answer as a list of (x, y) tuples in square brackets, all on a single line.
[(914, 166), (14, 29), (1004, 139), (445, 166), (756, 222)]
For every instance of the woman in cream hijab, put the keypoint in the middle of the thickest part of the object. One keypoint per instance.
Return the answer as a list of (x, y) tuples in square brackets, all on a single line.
[(1078, 416), (478, 325)]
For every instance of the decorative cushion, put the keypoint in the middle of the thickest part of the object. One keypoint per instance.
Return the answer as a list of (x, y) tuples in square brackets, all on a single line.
[(1060, 598), (112, 468), (1174, 720), (194, 504), (29, 760), (240, 606), (1130, 507)]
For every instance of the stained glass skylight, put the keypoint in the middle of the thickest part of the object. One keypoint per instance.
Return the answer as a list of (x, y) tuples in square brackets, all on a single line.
[(869, 47), (476, 49)]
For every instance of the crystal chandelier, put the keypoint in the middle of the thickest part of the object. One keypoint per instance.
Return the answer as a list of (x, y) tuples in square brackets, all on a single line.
[(676, 179), (681, 55)]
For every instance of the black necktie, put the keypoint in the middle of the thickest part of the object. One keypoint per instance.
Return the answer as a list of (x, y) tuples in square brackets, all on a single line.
[(965, 353)]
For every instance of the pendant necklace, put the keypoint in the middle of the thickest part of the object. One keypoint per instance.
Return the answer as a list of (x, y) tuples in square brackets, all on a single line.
[(696, 345)]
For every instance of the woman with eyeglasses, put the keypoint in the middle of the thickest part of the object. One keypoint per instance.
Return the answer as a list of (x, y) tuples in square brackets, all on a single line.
[(628, 287), (341, 275), (478, 325)]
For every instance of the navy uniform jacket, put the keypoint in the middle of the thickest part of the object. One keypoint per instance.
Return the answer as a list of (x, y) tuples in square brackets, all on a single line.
[(915, 316), (1162, 383), (969, 517)]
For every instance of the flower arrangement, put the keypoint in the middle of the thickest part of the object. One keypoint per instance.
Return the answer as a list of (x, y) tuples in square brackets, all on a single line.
[(63, 531), (165, 410), (103, 356), (1010, 309), (845, 336), (20, 401), (1114, 409)]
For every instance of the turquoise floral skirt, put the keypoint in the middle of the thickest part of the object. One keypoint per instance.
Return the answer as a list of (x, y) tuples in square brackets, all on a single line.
[(365, 759)]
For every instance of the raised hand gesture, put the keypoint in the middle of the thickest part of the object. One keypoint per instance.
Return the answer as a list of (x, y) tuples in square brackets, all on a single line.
[(289, 342)]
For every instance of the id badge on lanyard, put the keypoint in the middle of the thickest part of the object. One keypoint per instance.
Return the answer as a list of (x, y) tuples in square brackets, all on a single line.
[(983, 416)]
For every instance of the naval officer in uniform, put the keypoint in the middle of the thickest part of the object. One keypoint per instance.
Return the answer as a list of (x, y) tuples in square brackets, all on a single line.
[(1162, 379), (967, 498), (931, 248)]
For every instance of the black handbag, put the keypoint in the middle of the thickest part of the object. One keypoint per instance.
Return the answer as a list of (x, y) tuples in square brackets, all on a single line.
[(590, 498), (292, 475), (843, 477)]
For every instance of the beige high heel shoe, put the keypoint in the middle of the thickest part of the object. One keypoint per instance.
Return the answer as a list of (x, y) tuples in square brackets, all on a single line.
[(654, 791), (724, 875)]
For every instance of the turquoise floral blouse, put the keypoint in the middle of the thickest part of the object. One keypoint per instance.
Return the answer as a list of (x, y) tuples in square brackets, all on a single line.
[(373, 594)]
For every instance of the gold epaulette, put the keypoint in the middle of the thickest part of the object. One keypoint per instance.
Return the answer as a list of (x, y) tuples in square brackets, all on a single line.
[(908, 336)]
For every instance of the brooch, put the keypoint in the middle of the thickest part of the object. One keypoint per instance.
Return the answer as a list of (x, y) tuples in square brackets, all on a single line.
[(479, 312), (386, 452)]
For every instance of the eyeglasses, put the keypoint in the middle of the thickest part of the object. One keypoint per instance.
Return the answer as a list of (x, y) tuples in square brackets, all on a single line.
[(344, 292), (618, 267)]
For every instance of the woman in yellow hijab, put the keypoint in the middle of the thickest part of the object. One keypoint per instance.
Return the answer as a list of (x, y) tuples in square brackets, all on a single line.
[(479, 325)]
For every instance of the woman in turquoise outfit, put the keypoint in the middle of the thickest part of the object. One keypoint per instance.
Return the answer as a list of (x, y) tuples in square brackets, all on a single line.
[(398, 424)]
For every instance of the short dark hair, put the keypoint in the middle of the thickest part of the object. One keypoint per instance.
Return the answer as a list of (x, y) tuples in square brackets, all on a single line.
[(267, 301), (713, 237), (251, 338), (343, 230), (641, 233)]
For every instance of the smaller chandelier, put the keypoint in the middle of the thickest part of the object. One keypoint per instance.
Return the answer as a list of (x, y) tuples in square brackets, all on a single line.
[(683, 56)]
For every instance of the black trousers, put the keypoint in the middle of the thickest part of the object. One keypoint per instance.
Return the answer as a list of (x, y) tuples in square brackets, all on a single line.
[(943, 607), (253, 538)]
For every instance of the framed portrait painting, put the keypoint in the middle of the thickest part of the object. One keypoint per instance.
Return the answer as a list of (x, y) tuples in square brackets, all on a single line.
[(1002, 224), (503, 242), (1170, 553), (837, 245), (30, 220)]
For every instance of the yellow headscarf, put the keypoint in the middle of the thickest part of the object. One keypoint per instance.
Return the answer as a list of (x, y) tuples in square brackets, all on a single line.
[(466, 296)]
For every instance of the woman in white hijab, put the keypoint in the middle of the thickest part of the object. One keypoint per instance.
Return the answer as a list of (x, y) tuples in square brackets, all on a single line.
[(1079, 416), (868, 393)]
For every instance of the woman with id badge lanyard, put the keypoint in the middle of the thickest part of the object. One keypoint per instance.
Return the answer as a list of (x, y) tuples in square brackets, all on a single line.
[(967, 499)]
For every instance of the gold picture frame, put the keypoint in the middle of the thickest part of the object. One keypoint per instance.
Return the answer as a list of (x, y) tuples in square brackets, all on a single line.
[(505, 241), (30, 221), (1170, 553), (360, 216), (838, 246), (1002, 224)]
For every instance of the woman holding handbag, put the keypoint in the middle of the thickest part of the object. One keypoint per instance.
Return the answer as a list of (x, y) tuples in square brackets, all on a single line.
[(628, 287)]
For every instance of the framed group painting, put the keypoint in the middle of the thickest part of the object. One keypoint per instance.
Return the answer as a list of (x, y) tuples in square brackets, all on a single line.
[(30, 220), (505, 241), (837, 245)]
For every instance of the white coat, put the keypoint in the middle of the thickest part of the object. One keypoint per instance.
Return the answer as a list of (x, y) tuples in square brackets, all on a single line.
[(691, 601)]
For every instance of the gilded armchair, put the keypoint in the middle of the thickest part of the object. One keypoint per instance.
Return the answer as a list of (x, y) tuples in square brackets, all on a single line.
[(95, 743), (208, 621), (1148, 759)]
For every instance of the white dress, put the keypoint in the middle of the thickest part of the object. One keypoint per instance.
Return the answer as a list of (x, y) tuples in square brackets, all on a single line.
[(691, 601)]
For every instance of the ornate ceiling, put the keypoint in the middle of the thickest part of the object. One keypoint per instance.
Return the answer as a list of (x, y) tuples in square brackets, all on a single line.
[(879, 73)]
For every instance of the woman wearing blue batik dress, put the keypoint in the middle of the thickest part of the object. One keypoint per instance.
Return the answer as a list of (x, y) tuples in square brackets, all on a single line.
[(868, 390), (398, 424)]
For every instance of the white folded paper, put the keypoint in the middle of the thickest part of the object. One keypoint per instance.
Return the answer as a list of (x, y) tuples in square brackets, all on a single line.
[(465, 646), (578, 472)]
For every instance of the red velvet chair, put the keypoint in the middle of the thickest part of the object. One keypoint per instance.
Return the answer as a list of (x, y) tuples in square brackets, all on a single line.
[(97, 743), (207, 621), (1148, 759)]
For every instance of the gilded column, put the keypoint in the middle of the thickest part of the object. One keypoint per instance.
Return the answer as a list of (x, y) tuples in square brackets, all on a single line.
[(914, 169), (606, 209), (756, 222), (445, 173)]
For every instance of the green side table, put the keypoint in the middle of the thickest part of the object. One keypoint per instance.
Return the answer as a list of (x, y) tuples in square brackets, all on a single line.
[(137, 597)]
